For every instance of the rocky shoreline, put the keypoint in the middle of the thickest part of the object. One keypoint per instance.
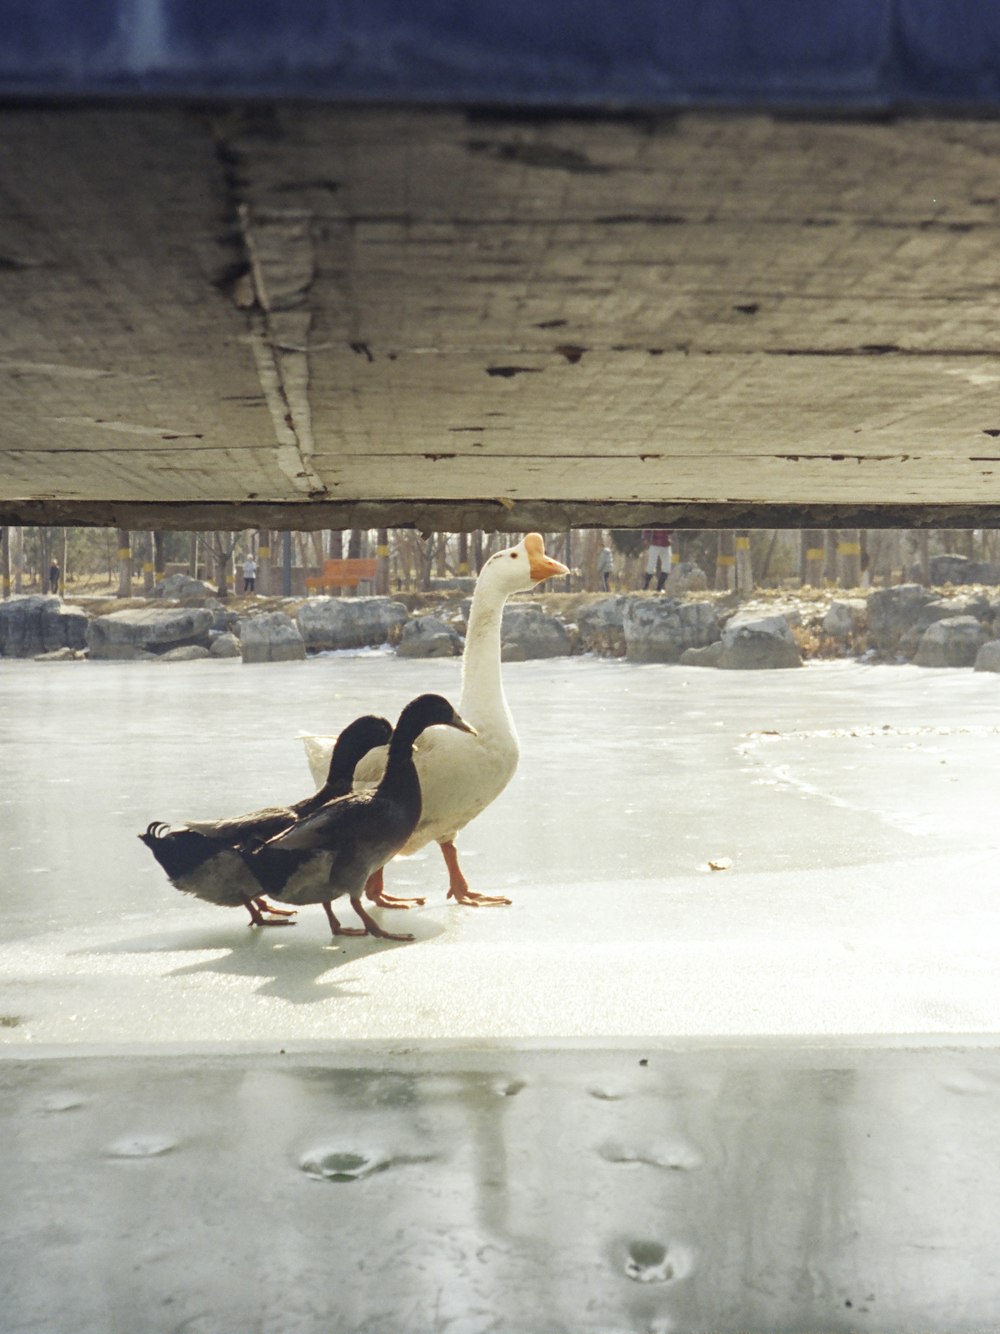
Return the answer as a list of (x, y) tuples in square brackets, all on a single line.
[(949, 626)]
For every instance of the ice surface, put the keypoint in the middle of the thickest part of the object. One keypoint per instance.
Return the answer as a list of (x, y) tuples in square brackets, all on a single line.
[(647, 1097), (853, 806), (400, 1192)]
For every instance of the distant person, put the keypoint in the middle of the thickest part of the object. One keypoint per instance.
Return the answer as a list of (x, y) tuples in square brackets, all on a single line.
[(55, 574), (605, 564), (249, 574), (658, 541)]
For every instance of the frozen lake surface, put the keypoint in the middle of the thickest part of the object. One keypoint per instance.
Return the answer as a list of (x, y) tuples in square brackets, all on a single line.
[(857, 806), (647, 1097)]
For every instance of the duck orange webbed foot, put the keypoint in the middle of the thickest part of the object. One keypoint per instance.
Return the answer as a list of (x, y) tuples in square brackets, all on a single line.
[(257, 917), (377, 895), (470, 899), (265, 905), (339, 930), (372, 927)]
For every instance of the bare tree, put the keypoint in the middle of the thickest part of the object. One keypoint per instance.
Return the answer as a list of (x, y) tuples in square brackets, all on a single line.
[(725, 560), (830, 556), (849, 557), (744, 562), (5, 561), (924, 555), (382, 561), (17, 558), (124, 564), (591, 541), (765, 565), (146, 547), (426, 563), (264, 568), (159, 554), (813, 554), (222, 546)]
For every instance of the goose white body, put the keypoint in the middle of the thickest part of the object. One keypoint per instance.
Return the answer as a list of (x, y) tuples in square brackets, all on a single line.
[(460, 775)]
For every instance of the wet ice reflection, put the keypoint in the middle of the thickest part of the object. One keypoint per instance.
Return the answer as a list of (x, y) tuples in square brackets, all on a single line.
[(722, 1190)]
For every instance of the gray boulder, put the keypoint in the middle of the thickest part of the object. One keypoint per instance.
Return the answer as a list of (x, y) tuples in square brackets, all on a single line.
[(188, 653), (134, 631), (943, 609), (951, 568), (339, 623), (660, 629), (952, 642), (225, 645), (846, 617), (602, 626), (686, 577), (182, 586), (702, 657), (40, 623), (988, 657), (891, 613), (751, 642), (536, 633), (271, 637), (60, 655), (429, 637), (224, 619)]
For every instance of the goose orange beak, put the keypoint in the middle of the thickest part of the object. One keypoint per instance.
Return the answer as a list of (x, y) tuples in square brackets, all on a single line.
[(541, 566)]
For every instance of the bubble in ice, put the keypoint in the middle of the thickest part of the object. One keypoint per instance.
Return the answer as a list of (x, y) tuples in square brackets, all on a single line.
[(63, 1101), (966, 1082), (509, 1088), (605, 1094), (341, 1164), (671, 1155), (649, 1262), (140, 1146)]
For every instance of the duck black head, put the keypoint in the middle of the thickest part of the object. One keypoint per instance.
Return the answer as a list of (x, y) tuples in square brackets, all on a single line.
[(353, 744), (422, 712)]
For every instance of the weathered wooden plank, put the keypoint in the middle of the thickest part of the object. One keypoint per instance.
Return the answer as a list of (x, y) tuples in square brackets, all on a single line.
[(298, 304), (491, 515), (800, 480)]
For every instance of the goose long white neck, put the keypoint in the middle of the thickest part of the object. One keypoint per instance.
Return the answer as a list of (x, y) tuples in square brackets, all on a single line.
[(483, 703)]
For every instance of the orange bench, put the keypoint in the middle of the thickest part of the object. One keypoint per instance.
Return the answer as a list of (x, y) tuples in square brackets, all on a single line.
[(346, 573)]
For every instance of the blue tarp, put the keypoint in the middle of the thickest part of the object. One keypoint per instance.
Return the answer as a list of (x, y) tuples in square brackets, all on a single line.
[(633, 53)]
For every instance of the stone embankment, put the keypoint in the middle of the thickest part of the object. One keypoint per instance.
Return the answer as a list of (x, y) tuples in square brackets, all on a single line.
[(949, 626)]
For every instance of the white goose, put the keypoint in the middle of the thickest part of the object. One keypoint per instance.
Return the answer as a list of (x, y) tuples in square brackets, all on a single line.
[(461, 774)]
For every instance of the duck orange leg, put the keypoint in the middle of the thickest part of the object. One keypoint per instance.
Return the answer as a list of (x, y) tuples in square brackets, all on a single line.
[(335, 926), (258, 919), (372, 927), (378, 896), (265, 905), (458, 886)]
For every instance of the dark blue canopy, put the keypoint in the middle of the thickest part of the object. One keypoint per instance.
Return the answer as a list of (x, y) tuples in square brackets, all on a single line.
[(842, 54)]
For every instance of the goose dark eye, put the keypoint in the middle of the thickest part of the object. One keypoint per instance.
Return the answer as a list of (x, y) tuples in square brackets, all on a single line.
[(513, 555)]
